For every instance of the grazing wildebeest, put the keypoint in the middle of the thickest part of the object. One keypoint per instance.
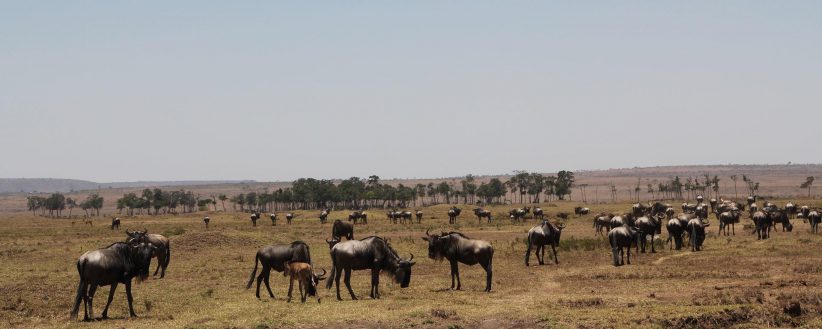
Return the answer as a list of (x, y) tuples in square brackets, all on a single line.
[(341, 229), (669, 212), (458, 248), (726, 218), (762, 224), (639, 209), (696, 231), (688, 208), (372, 253), (538, 213), (254, 218), (206, 220), (273, 219), (115, 223), (677, 229), (117, 263), (602, 221), (779, 216), (790, 209), (324, 215), (276, 257), (453, 213), (581, 211), (162, 243), (418, 213), (541, 235), (517, 214), (648, 225), (288, 217), (814, 219), (304, 274), (658, 208), (622, 237), (480, 213), (805, 211), (358, 215)]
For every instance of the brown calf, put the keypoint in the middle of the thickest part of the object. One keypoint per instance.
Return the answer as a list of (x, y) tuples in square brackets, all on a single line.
[(304, 274)]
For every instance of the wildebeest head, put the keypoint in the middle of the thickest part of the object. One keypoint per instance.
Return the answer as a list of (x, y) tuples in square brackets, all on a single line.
[(141, 257), (437, 245), (135, 237), (402, 274), (331, 243), (314, 281)]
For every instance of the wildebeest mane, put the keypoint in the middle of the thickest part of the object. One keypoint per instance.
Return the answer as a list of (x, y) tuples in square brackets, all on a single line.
[(457, 233)]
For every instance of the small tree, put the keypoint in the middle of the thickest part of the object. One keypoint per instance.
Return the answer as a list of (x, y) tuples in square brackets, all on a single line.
[(807, 184), (733, 178)]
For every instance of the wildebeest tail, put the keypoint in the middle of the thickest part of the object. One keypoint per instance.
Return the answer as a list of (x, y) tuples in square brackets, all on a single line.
[(168, 253), (76, 309), (254, 272), (330, 280)]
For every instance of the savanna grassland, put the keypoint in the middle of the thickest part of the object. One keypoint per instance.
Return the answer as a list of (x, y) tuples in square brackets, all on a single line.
[(736, 282)]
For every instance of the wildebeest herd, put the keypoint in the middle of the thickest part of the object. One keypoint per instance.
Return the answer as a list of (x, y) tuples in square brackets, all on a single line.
[(123, 261)]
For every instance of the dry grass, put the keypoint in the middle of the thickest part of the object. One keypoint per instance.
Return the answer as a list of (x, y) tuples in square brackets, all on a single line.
[(735, 282)]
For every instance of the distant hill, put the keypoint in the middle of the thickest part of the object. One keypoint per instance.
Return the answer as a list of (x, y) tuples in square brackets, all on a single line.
[(26, 185)]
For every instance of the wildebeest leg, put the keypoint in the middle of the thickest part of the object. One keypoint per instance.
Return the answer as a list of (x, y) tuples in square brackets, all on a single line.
[(267, 285), (455, 273), (291, 287), (629, 255), (733, 230), (160, 258), (91, 291), (488, 273), (337, 279), (653, 250), (85, 302), (541, 251), (527, 256), (375, 283), (554, 250), (110, 297), (130, 299), (348, 283), (302, 293)]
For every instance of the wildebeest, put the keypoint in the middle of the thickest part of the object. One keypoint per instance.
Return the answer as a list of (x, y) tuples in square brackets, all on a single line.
[(538, 213), (418, 213), (639, 209), (405, 216), (762, 224), (805, 211), (517, 214), (273, 217), (206, 220), (622, 237), (392, 216), (163, 252), (453, 213), (790, 209), (288, 217), (341, 229), (648, 225), (814, 218), (371, 253), (304, 274), (602, 221), (458, 248), (669, 212), (276, 257), (358, 215), (751, 199), (696, 232), (688, 208), (781, 217), (677, 228), (115, 223), (254, 218), (726, 218), (324, 215), (480, 213), (581, 211), (541, 235), (117, 263)]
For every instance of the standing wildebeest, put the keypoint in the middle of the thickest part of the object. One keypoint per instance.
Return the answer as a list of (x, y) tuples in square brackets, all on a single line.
[(688, 208), (324, 215), (805, 211), (517, 214), (206, 220), (358, 215), (372, 253), (696, 231), (658, 208), (392, 216), (418, 213), (814, 219), (273, 219), (541, 235), (779, 216), (480, 213), (341, 229), (458, 248), (117, 263), (762, 224), (254, 218), (115, 223), (581, 211), (538, 213), (648, 225), (726, 218), (453, 213), (275, 257), (305, 276), (405, 216), (790, 209), (701, 211), (602, 221), (622, 237), (677, 229), (162, 243), (288, 217), (639, 209)]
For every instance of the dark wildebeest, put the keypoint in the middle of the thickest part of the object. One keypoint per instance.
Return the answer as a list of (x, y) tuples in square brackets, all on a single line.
[(541, 235), (726, 218), (324, 215), (701, 211), (805, 211), (372, 253), (458, 248), (392, 216), (273, 219), (453, 213), (517, 214), (602, 221), (699, 198), (480, 213), (276, 257), (677, 229), (752, 209), (418, 213), (814, 219), (639, 209), (304, 274), (341, 229), (358, 215), (620, 238), (762, 224), (659, 208), (254, 218), (751, 199), (790, 209), (405, 216), (779, 216), (669, 212), (696, 231), (648, 225), (288, 217), (581, 211), (538, 213), (688, 208), (162, 243), (117, 263), (206, 220), (115, 223)]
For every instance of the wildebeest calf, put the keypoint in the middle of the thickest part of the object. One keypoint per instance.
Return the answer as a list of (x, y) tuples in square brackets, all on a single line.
[(305, 276)]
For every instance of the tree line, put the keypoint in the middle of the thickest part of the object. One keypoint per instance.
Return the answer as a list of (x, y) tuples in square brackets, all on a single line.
[(56, 203), (164, 202)]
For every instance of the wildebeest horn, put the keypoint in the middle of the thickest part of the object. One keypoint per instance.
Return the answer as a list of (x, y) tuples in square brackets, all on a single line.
[(426, 232), (412, 257), (323, 272)]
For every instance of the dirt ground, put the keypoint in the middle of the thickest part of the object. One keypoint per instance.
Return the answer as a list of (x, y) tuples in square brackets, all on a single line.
[(736, 282)]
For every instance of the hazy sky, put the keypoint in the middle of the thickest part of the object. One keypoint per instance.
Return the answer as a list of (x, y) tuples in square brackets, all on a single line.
[(140, 90)]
